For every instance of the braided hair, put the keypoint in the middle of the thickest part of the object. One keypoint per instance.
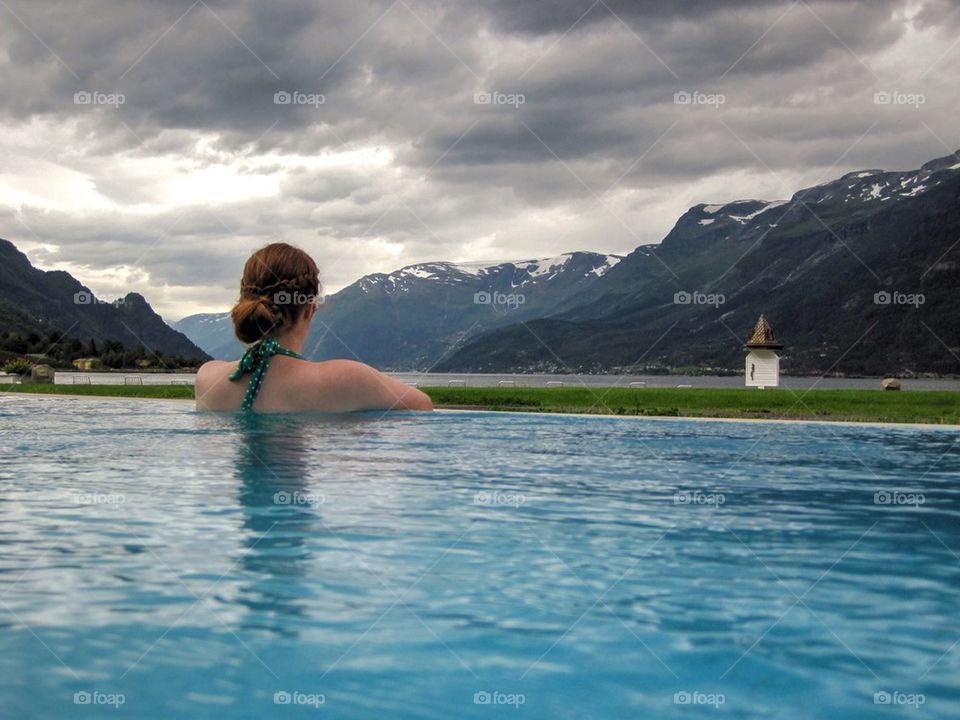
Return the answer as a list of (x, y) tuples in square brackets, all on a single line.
[(278, 282)]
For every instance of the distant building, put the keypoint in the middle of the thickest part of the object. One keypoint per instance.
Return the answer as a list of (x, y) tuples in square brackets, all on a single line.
[(762, 366), (88, 364)]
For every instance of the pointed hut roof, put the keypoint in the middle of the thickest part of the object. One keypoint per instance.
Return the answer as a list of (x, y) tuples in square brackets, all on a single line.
[(763, 336)]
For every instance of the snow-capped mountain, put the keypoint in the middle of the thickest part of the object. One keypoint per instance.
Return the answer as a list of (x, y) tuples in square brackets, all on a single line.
[(813, 264), (411, 317), (524, 272), (856, 194)]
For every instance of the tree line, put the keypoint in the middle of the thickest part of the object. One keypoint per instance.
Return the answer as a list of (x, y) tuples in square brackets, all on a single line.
[(59, 351)]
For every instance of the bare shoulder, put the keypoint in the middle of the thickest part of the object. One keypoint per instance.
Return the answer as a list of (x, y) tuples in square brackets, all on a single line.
[(211, 390), (210, 373), (353, 385), (344, 370), (214, 368)]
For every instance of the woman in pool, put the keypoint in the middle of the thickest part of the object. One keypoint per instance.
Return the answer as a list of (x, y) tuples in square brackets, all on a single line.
[(278, 299)]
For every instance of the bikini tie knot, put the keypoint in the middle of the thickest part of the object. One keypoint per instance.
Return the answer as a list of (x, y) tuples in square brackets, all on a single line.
[(256, 361)]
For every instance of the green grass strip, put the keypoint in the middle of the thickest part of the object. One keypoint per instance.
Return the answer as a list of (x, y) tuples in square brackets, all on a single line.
[(938, 407), (169, 392), (847, 405)]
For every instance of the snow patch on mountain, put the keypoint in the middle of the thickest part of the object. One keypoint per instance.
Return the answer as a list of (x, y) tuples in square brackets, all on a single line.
[(738, 210), (418, 272), (549, 268), (892, 185), (538, 268), (601, 270), (201, 320), (769, 206), (533, 270)]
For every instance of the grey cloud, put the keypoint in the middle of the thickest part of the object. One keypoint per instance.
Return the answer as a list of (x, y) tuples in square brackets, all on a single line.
[(560, 15), (596, 97)]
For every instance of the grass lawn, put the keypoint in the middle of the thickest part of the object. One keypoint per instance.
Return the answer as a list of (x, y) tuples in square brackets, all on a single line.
[(169, 392), (856, 405)]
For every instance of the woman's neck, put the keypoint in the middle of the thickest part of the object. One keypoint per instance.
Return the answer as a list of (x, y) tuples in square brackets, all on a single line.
[(292, 340)]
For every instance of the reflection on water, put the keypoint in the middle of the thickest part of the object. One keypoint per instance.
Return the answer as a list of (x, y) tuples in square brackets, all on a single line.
[(281, 492), (279, 515)]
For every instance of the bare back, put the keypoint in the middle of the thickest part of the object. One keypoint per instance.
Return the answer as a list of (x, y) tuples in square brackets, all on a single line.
[(293, 385)]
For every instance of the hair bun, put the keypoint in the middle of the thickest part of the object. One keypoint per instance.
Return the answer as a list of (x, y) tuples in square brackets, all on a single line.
[(255, 317)]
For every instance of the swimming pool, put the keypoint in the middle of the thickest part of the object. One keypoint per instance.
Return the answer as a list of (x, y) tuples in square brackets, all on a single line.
[(157, 563)]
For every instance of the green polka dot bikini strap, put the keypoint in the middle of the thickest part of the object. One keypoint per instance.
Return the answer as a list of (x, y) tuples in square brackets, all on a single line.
[(256, 361)]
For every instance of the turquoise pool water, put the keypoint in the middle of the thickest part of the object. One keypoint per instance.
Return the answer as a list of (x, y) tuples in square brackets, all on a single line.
[(155, 563)]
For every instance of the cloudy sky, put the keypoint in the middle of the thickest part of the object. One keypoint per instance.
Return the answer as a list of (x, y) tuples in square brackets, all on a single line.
[(152, 145)]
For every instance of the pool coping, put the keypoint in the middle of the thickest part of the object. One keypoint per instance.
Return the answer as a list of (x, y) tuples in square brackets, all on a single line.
[(675, 418), (684, 418)]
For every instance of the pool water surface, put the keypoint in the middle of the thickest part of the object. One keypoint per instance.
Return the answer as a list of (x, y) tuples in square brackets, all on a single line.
[(158, 563)]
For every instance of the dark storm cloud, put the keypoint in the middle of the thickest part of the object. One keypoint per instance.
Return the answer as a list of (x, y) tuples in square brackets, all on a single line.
[(598, 113), (181, 65), (558, 16)]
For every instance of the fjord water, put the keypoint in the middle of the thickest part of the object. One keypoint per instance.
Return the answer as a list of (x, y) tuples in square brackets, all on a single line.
[(157, 563), (537, 380)]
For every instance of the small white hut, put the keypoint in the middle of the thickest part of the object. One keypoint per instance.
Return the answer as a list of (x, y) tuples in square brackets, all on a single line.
[(762, 366)]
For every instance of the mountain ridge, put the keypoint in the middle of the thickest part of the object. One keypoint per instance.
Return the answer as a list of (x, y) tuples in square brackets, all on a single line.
[(45, 301), (832, 246), (866, 232), (421, 308)]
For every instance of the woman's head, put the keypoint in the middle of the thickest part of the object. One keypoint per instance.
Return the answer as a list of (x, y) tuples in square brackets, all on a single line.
[(279, 288)]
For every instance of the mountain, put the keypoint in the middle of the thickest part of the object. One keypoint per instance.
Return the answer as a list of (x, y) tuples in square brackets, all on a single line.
[(412, 317), (858, 275), (213, 332), (37, 301)]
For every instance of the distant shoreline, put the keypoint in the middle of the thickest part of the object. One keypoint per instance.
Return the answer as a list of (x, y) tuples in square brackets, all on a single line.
[(941, 408), (676, 418), (798, 383)]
